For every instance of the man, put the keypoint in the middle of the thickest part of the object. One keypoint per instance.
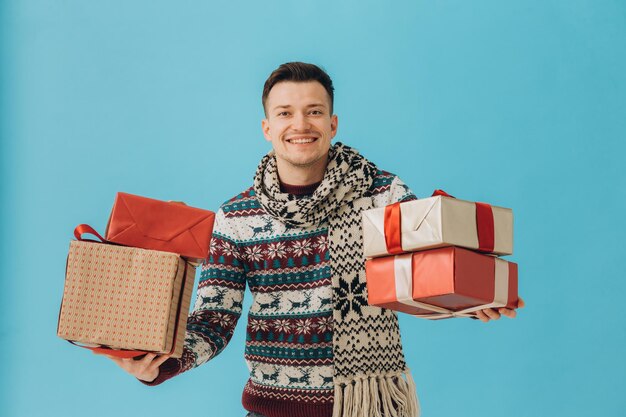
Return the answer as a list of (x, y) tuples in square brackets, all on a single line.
[(314, 347)]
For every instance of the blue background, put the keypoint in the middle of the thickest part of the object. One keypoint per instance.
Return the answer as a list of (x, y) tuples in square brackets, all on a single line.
[(517, 103)]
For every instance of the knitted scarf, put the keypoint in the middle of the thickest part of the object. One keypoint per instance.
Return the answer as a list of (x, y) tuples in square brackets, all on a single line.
[(368, 359)]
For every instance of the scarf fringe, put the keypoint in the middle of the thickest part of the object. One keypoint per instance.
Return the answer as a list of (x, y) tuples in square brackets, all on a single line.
[(388, 395)]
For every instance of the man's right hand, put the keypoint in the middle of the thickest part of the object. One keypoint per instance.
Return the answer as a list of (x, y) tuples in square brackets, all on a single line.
[(145, 369)]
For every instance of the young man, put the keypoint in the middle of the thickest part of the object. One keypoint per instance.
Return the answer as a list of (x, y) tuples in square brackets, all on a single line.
[(314, 347)]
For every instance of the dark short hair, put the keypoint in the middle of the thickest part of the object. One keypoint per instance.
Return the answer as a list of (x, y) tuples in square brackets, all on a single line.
[(298, 72)]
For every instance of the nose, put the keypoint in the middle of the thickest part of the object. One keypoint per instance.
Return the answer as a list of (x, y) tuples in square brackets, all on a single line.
[(300, 122)]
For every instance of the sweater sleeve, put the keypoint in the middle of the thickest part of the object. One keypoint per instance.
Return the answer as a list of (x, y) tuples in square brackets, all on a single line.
[(399, 191), (218, 306)]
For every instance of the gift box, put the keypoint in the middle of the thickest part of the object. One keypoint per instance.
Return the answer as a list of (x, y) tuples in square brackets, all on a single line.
[(437, 222), (128, 300), (441, 283), (153, 224)]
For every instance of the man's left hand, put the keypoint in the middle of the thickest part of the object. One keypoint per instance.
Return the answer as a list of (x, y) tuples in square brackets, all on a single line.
[(493, 314)]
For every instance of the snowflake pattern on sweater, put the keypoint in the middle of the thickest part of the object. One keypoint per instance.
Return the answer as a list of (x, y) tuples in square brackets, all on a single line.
[(289, 335)]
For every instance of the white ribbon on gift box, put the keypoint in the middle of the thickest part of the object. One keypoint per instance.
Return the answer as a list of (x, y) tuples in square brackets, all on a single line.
[(404, 288)]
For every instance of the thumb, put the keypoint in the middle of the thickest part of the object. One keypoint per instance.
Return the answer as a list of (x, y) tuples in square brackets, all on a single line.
[(177, 202)]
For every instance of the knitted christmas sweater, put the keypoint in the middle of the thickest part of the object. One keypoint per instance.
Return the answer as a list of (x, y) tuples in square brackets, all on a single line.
[(289, 333)]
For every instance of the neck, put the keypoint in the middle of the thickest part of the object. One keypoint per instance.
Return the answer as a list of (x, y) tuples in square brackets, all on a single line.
[(299, 175)]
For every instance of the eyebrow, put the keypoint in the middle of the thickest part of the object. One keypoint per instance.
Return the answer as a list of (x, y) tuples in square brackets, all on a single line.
[(286, 106)]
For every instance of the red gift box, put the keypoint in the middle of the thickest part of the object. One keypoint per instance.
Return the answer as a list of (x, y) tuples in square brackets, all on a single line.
[(441, 283), (146, 223)]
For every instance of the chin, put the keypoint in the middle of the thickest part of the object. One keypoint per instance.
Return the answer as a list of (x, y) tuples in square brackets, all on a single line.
[(303, 162)]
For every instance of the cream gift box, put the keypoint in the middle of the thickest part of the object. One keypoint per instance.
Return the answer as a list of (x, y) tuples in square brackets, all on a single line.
[(435, 222)]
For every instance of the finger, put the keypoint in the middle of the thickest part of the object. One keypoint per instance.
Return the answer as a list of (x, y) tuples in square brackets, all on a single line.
[(150, 355), (147, 359), (159, 361), (136, 363), (493, 315), (508, 312), (482, 316), (118, 361), (520, 303)]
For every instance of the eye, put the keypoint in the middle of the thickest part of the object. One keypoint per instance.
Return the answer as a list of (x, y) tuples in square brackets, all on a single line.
[(283, 113), (316, 112)]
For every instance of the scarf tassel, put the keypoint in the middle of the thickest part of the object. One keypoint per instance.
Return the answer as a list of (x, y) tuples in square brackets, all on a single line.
[(377, 396)]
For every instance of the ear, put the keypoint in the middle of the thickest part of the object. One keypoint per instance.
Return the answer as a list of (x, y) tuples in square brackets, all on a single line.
[(334, 123), (265, 126)]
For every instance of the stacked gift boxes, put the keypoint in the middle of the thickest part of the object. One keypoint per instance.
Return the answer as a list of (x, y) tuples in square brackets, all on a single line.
[(129, 293), (439, 257)]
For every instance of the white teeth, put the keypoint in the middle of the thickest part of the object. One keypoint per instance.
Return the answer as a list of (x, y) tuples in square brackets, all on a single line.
[(303, 140)]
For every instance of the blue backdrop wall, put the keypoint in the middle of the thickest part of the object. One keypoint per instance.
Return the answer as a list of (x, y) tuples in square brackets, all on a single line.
[(518, 103)]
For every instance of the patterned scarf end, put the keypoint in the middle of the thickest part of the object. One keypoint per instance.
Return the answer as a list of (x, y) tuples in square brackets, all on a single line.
[(389, 395)]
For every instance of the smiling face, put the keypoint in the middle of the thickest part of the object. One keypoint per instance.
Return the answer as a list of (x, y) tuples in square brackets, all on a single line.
[(300, 126)]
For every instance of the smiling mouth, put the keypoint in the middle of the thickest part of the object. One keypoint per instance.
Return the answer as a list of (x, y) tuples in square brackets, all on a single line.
[(301, 141)]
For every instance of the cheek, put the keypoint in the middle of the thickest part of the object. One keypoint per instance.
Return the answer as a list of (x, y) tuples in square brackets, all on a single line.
[(278, 129), (328, 129)]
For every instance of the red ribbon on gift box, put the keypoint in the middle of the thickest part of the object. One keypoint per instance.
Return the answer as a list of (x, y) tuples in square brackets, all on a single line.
[(484, 225), (393, 231)]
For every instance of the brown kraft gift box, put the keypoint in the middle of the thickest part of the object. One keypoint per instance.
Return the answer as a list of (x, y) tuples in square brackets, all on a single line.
[(126, 298)]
